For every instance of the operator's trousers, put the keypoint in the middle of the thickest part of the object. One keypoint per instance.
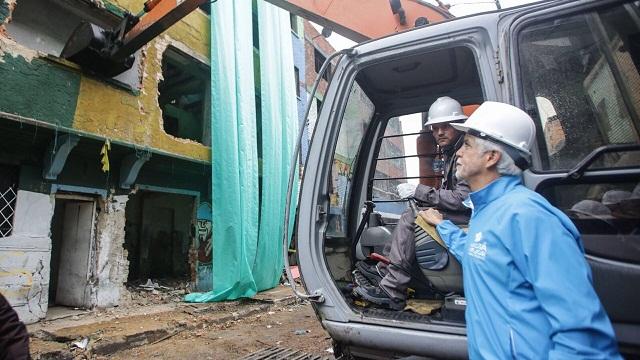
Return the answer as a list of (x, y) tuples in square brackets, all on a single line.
[(401, 250)]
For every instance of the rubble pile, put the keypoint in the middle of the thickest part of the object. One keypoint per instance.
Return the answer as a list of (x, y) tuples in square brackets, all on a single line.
[(158, 291)]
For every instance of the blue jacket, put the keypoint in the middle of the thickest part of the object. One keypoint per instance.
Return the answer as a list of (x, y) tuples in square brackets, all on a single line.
[(527, 283)]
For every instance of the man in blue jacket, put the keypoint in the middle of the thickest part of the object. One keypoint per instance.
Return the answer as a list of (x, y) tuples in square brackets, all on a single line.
[(527, 283)]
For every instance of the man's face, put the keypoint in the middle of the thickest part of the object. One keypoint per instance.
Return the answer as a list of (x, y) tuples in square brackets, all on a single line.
[(444, 133), (471, 161)]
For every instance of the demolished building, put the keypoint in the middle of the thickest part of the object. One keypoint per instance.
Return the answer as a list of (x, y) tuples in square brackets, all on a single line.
[(102, 181)]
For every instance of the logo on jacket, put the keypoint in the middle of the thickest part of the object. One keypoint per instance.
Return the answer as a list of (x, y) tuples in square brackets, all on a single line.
[(478, 249)]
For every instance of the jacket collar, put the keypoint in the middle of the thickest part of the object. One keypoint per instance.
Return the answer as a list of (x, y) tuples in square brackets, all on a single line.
[(493, 191), (450, 150)]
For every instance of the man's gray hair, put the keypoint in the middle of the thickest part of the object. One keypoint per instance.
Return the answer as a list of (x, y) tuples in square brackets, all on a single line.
[(506, 165)]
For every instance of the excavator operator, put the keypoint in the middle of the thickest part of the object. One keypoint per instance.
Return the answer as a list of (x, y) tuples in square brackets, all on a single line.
[(393, 279)]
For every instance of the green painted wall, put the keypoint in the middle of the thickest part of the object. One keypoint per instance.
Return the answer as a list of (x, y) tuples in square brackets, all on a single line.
[(4, 11), (38, 89)]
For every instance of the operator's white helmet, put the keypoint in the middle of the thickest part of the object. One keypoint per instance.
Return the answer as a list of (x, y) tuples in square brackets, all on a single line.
[(503, 124), (445, 109)]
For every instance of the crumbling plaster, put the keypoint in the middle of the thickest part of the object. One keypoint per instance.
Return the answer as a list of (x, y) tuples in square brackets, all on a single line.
[(114, 112), (118, 114), (7, 45), (111, 264), (25, 256), (6, 8)]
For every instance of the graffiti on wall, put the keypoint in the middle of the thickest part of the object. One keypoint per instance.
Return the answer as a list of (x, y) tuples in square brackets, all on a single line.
[(203, 238), (204, 243)]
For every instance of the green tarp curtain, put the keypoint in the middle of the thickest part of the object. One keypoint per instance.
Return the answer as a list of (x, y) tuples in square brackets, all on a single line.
[(247, 231), (279, 130)]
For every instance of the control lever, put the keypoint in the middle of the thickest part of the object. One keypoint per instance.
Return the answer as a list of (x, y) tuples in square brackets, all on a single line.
[(384, 259), (380, 258), (369, 206), (414, 206)]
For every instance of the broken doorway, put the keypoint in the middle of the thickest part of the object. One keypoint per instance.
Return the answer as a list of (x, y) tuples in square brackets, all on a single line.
[(72, 235), (158, 237)]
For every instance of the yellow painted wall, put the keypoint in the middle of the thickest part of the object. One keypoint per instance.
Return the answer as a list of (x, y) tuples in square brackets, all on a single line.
[(120, 115)]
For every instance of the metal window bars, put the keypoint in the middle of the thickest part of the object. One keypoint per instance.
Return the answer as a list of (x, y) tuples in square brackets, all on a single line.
[(391, 178), (7, 209)]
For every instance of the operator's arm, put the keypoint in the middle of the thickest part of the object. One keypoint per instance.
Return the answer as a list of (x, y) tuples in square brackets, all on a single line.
[(442, 198), (547, 252)]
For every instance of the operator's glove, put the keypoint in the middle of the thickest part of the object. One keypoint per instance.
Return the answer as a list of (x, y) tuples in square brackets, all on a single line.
[(406, 190)]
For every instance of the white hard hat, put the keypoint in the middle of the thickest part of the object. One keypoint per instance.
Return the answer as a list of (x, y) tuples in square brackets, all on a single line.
[(590, 208), (445, 109), (613, 197), (503, 124)]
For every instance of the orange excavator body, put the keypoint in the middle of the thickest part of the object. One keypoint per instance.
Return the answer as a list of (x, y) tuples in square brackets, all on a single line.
[(361, 20)]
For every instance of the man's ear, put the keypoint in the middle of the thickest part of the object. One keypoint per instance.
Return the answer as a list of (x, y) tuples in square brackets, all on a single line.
[(493, 157)]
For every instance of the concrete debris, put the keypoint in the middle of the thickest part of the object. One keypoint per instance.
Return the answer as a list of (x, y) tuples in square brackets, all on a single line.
[(158, 291), (150, 285), (80, 344)]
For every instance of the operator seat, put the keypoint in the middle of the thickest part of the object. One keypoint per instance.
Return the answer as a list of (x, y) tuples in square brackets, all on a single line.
[(439, 267)]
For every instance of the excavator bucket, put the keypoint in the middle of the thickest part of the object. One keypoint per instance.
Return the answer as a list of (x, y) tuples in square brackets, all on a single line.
[(88, 47)]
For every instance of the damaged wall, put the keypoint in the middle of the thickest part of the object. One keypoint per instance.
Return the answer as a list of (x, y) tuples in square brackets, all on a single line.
[(112, 266), (44, 88), (6, 8), (25, 256), (47, 89)]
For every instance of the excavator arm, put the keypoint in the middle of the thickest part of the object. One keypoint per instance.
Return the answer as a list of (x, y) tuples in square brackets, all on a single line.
[(361, 20), (111, 52)]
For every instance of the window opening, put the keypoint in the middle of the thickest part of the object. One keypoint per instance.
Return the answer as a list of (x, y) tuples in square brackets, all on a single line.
[(8, 196), (294, 23), (297, 80), (184, 96), (206, 7), (601, 209), (319, 60), (358, 114), (402, 158)]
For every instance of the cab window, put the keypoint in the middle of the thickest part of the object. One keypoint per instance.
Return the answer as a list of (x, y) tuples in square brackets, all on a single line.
[(357, 116), (580, 80), (404, 156), (581, 84)]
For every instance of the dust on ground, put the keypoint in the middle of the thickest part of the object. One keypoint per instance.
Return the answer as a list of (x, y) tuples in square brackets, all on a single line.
[(152, 327), (292, 326)]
